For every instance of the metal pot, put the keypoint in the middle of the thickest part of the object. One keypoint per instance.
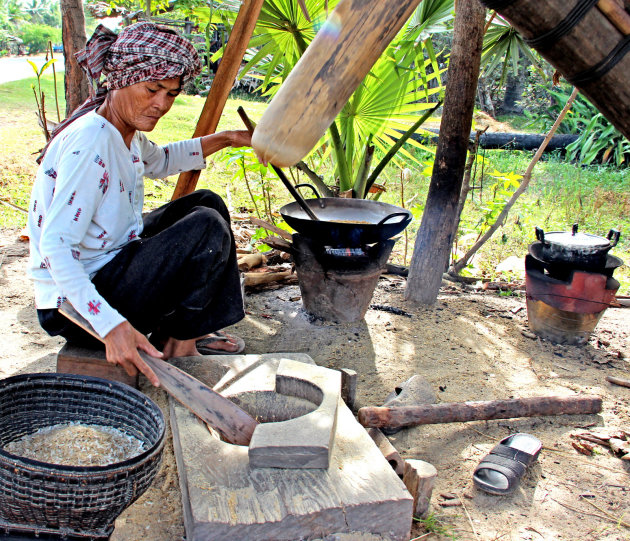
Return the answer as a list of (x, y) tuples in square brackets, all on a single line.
[(346, 222), (582, 249)]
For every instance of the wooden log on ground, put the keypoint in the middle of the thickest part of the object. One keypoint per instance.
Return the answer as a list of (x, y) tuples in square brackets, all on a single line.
[(589, 50), (419, 478), (618, 381), (425, 414), (253, 279), (389, 451), (250, 261)]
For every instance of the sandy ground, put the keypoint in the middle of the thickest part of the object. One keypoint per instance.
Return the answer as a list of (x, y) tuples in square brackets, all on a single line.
[(469, 346)]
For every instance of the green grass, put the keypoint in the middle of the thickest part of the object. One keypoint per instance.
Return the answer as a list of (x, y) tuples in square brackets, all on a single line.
[(559, 194)]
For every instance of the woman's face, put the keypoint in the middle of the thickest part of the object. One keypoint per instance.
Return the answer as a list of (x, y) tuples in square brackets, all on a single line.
[(140, 106)]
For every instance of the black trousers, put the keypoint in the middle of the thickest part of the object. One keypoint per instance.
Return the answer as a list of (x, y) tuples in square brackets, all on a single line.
[(179, 279)]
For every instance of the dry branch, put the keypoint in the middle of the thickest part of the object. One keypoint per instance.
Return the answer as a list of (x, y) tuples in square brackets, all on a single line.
[(270, 227), (460, 264)]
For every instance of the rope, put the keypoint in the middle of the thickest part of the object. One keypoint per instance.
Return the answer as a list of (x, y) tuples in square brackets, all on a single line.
[(549, 38), (603, 66)]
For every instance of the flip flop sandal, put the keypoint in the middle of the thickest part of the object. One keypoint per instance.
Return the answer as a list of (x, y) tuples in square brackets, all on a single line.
[(203, 345), (500, 471)]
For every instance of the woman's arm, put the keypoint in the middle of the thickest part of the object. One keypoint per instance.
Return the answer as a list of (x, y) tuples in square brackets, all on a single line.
[(188, 155)]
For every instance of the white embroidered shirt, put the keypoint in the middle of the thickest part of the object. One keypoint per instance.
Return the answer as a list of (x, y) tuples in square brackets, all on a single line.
[(86, 204)]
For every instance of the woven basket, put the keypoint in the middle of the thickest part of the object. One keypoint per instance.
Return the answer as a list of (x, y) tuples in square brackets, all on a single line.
[(73, 501)]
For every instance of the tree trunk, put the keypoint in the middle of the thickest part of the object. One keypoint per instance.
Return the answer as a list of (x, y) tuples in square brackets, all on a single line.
[(513, 92), (74, 39), (433, 243), (485, 99)]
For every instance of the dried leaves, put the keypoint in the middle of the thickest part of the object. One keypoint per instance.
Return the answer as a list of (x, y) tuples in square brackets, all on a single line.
[(617, 440)]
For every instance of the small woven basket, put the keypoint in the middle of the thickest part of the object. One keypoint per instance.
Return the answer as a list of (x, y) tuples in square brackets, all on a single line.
[(74, 502)]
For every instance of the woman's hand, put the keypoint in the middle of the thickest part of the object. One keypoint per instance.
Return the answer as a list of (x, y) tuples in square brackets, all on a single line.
[(240, 138), (218, 141), (122, 344)]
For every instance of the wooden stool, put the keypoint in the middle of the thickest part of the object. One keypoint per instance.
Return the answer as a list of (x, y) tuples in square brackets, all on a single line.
[(92, 362)]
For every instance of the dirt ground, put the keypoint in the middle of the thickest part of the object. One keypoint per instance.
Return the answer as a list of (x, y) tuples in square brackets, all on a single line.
[(470, 346)]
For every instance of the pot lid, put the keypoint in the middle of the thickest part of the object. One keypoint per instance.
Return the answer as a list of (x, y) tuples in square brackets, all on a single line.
[(577, 240)]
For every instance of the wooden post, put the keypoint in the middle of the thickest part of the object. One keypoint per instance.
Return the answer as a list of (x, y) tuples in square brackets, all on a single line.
[(435, 237), (224, 79)]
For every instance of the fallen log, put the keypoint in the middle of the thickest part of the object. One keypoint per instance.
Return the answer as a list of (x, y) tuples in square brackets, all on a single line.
[(507, 141), (401, 416)]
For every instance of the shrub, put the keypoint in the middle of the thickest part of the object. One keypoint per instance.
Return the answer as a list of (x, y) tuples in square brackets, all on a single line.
[(37, 36)]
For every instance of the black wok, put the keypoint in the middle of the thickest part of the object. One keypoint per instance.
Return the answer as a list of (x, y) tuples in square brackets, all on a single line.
[(347, 222)]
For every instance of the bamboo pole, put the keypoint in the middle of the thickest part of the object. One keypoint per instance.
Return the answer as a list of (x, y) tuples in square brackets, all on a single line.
[(224, 79), (615, 14)]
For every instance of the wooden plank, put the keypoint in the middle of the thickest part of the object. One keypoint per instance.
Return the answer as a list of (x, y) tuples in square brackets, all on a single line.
[(357, 497), (90, 362), (235, 424), (223, 81), (479, 411)]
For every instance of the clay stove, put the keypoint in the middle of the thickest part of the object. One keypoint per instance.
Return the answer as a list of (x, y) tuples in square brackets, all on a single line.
[(337, 283), (567, 296)]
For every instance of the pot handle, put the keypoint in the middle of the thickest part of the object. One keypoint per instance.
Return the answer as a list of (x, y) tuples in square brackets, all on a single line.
[(406, 214), (317, 196), (613, 237), (574, 229), (540, 235)]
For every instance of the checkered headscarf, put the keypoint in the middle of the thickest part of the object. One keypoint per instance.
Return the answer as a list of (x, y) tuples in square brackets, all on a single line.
[(141, 52)]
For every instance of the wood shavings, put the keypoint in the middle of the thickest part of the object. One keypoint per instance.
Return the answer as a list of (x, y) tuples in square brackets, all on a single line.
[(74, 444)]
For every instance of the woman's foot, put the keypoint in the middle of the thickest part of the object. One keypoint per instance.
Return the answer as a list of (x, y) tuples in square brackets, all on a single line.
[(220, 343), (179, 348)]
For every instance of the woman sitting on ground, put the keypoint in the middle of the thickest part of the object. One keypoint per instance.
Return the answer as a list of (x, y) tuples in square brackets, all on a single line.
[(172, 274)]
